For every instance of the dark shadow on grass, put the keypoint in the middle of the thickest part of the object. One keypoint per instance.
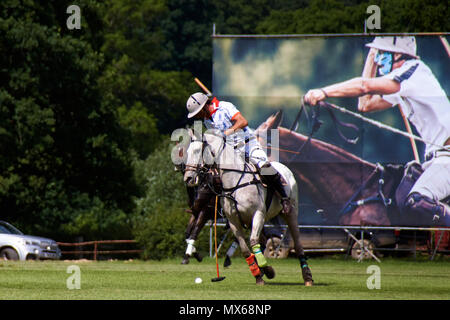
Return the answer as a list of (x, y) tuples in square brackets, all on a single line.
[(294, 284)]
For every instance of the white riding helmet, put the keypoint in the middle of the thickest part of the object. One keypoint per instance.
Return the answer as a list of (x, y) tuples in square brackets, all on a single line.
[(398, 44), (195, 103)]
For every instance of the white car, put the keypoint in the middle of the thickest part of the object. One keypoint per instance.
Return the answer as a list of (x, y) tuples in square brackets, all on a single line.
[(14, 245)]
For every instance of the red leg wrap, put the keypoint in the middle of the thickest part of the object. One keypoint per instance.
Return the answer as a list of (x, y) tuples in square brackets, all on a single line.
[(251, 261)]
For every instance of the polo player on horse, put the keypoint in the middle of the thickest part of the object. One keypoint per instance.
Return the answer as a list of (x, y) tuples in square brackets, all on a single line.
[(225, 117)]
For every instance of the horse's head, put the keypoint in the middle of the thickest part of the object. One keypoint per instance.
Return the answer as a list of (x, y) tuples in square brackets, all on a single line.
[(194, 159)]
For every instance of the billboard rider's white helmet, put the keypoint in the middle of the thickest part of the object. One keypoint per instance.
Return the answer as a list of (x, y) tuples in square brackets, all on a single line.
[(399, 44), (195, 103)]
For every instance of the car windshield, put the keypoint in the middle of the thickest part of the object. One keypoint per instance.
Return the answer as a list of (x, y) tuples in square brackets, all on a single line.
[(8, 229)]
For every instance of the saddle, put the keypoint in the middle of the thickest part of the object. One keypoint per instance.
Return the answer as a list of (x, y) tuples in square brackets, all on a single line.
[(215, 182), (265, 183)]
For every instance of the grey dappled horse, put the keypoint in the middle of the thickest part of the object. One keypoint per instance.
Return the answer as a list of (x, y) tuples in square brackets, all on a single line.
[(244, 199)]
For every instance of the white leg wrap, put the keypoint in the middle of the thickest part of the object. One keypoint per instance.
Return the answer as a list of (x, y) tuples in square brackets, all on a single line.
[(190, 246)]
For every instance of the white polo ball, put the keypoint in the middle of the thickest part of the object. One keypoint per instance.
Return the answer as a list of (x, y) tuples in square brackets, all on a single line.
[(198, 280)]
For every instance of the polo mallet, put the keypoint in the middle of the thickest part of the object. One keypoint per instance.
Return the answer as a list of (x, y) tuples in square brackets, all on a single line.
[(204, 88), (218, 278), (408, 129), (445, 44)]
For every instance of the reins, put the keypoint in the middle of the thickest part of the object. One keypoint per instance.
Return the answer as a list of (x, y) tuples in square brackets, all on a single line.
[(315, 126), (377, 124)]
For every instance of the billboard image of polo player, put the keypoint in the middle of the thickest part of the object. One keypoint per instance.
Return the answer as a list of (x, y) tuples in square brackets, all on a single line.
[(362, 121)]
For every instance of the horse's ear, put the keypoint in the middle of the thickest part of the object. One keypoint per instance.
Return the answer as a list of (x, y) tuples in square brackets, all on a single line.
[(272, 122), (278, 118)]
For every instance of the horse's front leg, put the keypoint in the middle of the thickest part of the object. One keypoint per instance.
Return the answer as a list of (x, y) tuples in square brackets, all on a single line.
[(188, 232), (257, 226), (197, 221), (189, 227), (196, 227)]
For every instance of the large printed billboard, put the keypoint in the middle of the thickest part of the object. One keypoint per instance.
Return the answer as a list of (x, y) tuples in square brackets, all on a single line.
[(264, 75)]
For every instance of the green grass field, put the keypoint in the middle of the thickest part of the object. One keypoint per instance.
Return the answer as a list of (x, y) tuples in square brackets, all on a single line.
[(335, 278)]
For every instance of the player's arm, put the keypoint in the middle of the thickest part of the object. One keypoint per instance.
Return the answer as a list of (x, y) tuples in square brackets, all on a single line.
[(369, 71), (374, 103), (239, 123), (357, 87)]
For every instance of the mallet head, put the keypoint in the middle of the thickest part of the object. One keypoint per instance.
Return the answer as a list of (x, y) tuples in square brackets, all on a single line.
[(217, 279)]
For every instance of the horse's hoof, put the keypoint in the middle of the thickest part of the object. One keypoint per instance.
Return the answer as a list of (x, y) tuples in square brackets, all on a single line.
[(307, 275), (259, 279), (198, 256), (269, 272), (185, 259), (227, 262), (309, 283)]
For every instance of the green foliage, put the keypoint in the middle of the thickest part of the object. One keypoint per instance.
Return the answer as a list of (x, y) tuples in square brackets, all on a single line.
[(142, 127), (93, 219), (133, 29), (164, 185), (136, 49), (160, 220), (162, 233), (332, 16), (58, 138)]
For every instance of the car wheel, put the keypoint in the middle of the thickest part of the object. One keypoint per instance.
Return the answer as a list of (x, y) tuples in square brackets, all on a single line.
[(357, 250), (275, 250), (9, 254)]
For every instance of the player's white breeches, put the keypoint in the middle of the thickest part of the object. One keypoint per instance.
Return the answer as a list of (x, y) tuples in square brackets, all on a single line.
[(435, 180), (259, 158)]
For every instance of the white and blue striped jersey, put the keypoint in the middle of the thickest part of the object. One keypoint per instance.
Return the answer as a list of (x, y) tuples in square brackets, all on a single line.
[(222, 118)]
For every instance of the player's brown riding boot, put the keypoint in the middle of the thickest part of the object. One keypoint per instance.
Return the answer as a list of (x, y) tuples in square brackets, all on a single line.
[(438, 211), (275, 181)]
